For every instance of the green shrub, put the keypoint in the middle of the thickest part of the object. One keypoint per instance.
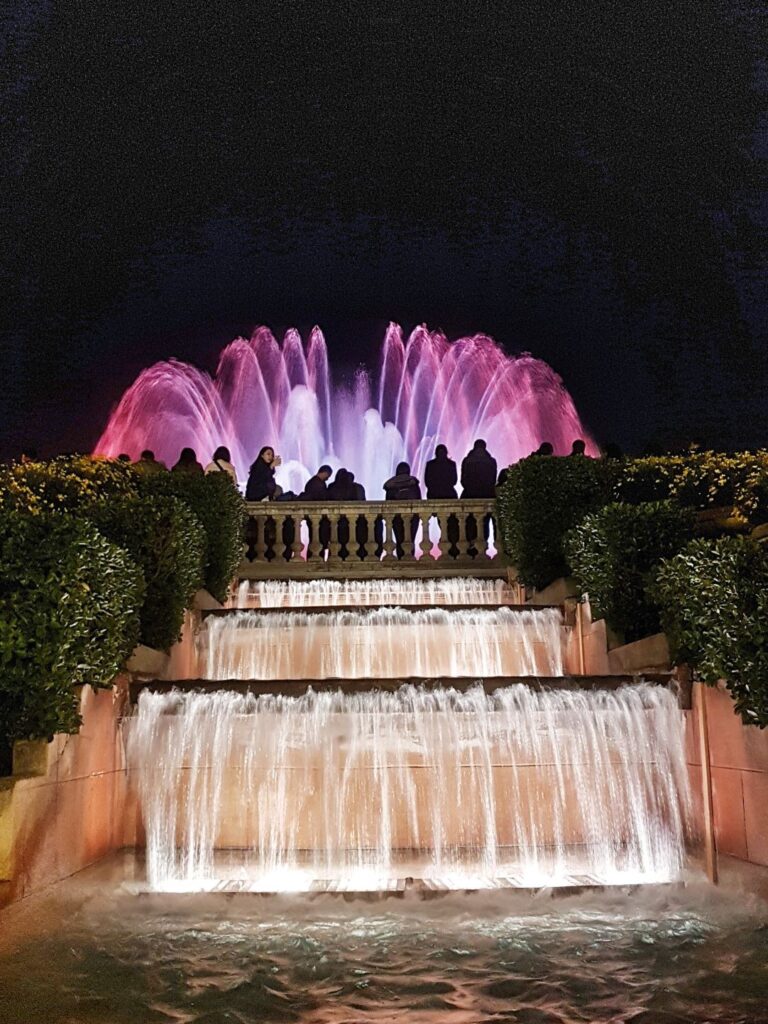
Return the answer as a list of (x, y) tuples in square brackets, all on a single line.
[(69, 483), (713, 598), (168, 542), (220, 509), (612, 554), (697, 480), (541, 499), (69, 614)]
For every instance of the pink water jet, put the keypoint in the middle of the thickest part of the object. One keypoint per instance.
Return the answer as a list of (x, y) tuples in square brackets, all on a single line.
[(429, 390)]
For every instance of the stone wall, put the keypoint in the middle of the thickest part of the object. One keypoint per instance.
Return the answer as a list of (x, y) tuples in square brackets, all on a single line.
[(65, 806), (738, 757)]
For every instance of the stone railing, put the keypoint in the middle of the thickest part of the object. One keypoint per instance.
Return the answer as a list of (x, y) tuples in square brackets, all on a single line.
[(300, 540)]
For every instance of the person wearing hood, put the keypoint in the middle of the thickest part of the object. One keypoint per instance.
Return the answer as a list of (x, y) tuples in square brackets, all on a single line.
[(402, 487), (478, 480)]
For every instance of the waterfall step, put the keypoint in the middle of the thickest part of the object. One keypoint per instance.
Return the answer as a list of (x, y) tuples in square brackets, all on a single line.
[(298, 687), (325, 609)]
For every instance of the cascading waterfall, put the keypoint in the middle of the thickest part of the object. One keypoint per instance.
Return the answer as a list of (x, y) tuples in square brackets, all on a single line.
[(382, 643), (361, 791), (300, 594)]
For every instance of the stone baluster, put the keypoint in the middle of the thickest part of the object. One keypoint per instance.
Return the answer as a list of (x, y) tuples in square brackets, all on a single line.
[(461, 542), (297, 546), (370, 545), (334, 544), (426, 543), (261, 543)]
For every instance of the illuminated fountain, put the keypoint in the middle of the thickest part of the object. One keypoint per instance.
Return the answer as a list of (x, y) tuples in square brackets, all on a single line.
[(365, 791), (428, 391)]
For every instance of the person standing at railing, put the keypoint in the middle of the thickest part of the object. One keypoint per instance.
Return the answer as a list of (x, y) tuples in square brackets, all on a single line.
[(478, 480), (148, 463), (440, 478), (402, 487)]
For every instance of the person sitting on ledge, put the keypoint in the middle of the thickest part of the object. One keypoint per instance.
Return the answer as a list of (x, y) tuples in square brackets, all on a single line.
[(358, 488), (440, 476), (343, 487), (545, 448), (261, 484), (478, 473), (188, 463), (148, 463), (578, 447), (400, 487), (222, 463), (316, 488)]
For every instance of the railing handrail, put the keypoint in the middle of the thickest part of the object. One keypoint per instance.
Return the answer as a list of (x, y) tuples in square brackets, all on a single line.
[(342, 507)]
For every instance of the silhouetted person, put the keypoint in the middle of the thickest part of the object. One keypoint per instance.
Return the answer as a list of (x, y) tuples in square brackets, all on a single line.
[(188, 463), (359, 489), (478, 473), (545, 448), (148, 463), (440, 476), (261, 484), (222, 463), (503, 476), (342, 488), (316, 488), (402, 487), (579, 447), (123, 457)]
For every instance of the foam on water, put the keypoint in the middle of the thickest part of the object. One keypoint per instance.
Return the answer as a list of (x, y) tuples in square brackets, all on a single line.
[(524, 787)]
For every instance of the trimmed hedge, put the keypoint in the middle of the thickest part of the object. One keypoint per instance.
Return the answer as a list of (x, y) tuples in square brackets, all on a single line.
[(69, 614), (70, 483), (699, 480), (713, 597), (220, 509), (542, 498), (612, 554), (168, 542)]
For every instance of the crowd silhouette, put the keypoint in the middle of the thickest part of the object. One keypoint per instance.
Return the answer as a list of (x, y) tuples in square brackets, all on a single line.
[(479, 477)]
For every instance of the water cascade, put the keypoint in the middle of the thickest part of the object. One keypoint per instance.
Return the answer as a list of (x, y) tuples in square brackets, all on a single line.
[(428, 390), (317, 593), (363, 791), (381, 643)]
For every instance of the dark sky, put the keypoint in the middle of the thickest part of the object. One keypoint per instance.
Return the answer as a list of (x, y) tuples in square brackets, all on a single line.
[(585, 181)]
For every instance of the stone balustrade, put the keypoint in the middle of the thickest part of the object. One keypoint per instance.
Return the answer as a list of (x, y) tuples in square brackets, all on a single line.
[(301, 540)]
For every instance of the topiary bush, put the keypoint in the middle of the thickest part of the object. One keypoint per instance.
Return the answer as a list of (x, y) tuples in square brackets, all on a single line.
[(542, 498), (713, 600), (163, 537), (612, 554), (69, 615), (220, 508)]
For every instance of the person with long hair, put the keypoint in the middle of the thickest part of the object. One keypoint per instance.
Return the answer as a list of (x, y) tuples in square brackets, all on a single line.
[(261, 484), (222, 463)]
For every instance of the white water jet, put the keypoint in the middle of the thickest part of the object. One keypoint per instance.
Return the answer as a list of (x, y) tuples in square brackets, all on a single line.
[(314, 593), (382, 643), (357, 791)]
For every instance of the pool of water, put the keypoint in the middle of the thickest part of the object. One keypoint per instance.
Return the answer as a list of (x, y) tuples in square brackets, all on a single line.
[(101, 955)]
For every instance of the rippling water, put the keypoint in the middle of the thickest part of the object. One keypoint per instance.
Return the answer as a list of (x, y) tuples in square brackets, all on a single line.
[(648, 957)]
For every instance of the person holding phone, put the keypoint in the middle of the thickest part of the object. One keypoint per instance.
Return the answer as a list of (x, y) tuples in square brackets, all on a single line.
[(261, 484)]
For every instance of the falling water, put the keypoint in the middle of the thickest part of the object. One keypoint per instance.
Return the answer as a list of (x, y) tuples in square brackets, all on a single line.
[(381, 643), (315, 593), (428, 391), (358, 791)]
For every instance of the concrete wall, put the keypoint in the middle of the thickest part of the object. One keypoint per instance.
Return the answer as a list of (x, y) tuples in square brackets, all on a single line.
[(738, 756), (64, 807)]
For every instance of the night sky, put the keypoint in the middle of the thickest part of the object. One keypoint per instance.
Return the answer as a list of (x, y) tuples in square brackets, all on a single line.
[(585, 181)]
